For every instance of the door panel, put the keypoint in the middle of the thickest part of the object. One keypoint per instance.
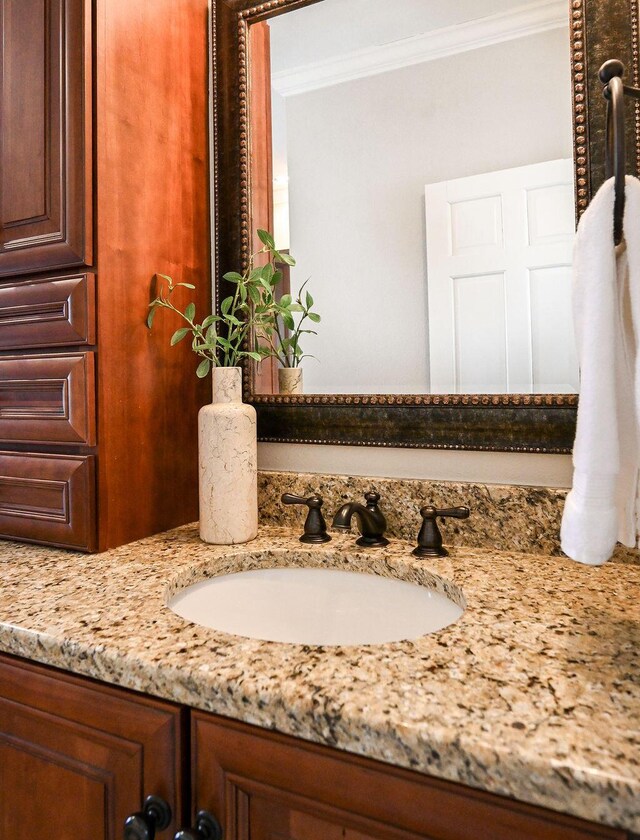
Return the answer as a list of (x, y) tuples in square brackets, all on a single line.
[(265, 786), (76, 758), (45, 135), (499, 279)]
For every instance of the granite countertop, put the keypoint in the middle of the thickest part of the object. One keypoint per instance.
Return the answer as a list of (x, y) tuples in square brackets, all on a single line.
[(533, 693)]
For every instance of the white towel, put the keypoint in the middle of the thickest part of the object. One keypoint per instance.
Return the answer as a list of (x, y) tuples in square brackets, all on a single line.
[(601, 506)]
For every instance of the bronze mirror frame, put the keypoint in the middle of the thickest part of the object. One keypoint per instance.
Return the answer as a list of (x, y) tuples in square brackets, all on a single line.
[(599, 30)]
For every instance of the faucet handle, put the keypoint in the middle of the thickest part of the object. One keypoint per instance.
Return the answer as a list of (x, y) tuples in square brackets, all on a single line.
[(430, 538), (315, 528)]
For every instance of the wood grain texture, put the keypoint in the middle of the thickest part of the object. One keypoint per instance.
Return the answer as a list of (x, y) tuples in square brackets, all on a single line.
[(48, 312), (48, 499), (45, 135), (261, 167), (153, 216), (76, 757), (263, 785), (48, 398)]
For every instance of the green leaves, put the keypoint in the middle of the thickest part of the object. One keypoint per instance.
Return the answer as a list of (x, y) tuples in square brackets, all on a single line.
[(267, 239), (179, 335), (203, 368), (252, 322)]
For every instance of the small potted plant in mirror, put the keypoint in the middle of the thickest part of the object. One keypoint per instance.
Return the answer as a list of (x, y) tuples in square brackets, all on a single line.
[(280, 321), (227, 448)]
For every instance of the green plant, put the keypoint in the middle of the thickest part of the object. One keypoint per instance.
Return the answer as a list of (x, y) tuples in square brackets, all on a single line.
[(222, 340), (274, 317)]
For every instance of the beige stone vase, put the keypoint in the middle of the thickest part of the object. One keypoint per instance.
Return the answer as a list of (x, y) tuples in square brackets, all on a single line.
[(227, 454), (290, 380)]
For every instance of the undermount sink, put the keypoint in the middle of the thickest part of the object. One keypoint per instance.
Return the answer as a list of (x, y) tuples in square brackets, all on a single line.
[(315, 606)]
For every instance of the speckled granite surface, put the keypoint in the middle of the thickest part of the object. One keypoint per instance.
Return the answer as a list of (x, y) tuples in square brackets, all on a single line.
[(508, 518), (533, 693)]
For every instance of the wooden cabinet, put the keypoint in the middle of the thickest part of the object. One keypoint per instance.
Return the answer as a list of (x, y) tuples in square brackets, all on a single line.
[(77, 757), (48, 498), (103, 183), (45, 135), (262, 785), (48, 312)]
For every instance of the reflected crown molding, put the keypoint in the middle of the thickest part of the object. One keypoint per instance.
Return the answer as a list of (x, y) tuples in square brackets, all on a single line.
[(531, 19)]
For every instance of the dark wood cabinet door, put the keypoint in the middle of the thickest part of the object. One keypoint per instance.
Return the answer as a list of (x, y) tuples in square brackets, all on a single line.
[(264, 786), (77, 757), (45, 135)]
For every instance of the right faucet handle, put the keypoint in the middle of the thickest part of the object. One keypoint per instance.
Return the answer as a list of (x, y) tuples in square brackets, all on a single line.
[(430, 538)]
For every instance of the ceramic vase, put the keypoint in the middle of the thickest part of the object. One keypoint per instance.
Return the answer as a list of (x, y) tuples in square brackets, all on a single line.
[(290, 380), (227, 454)]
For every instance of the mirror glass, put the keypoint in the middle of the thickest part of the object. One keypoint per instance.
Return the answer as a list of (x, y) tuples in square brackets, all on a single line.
[(415, 158)]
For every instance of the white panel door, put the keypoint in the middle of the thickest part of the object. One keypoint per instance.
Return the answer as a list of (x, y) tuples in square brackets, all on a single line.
[(499, 281)]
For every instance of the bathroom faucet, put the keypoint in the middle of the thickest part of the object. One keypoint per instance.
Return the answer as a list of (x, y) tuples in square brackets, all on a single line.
[(370, 520)]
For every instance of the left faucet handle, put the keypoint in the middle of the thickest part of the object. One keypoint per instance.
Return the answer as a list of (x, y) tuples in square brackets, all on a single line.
[(315, 528)]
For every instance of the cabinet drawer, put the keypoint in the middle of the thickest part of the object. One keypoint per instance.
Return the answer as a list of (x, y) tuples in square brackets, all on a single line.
[(48, 312), (48, 499), (48, 399)]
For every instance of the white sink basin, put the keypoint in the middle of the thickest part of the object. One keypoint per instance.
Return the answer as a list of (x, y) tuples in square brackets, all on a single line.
[(315, 606)]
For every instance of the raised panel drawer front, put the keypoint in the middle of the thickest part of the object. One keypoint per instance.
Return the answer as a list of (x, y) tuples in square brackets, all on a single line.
[(45, 135), (50, 312), (48, 399), (48, 499)]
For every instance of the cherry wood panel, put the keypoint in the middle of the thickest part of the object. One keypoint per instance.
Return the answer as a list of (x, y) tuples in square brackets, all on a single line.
[(48, 499), (48, 398), (261, 166), (263, 785), (153, 216), (45, 135), (48, 312), (76, 758)]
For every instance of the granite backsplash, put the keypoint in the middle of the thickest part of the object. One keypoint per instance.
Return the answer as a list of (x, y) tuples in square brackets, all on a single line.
[(503, 517)]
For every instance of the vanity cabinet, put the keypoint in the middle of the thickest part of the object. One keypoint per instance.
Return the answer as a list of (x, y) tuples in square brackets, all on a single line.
[(103, 183), (77, 757), (263, 785)]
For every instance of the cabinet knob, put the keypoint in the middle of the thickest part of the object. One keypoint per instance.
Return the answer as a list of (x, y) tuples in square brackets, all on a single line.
[(155, 814), (207, 827)]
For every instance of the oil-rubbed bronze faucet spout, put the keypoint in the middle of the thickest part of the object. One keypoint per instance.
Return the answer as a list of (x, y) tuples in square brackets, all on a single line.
[(370, 520)]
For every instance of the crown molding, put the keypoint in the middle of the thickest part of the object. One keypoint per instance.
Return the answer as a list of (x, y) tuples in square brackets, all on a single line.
[(494, 29)]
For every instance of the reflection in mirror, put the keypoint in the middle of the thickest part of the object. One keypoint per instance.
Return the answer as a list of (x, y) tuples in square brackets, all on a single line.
[(415, 158)]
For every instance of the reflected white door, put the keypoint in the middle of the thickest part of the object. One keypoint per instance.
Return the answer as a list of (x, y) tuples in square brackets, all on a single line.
[(499, 281)]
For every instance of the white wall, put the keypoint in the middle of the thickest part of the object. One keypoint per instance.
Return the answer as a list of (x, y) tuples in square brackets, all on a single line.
[(484, 467), (360, 154)]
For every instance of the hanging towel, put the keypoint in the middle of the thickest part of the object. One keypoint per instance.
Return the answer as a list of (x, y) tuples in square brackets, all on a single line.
[(601, 506)]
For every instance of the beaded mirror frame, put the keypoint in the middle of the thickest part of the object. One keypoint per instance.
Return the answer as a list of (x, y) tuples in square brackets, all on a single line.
[(599, 30)]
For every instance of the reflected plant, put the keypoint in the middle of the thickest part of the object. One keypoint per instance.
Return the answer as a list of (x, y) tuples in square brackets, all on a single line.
[(280, 321)]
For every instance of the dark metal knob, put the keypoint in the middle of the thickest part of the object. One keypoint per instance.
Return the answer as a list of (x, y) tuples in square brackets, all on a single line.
[(207, 827), (430, 538), (315, 528), (610, 69), (155, 815)]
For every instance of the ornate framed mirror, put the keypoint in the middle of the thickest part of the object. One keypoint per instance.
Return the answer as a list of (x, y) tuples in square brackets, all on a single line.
[(306, 98)]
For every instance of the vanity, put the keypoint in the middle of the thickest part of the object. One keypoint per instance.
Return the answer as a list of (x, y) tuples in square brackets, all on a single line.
[(517, 720)]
